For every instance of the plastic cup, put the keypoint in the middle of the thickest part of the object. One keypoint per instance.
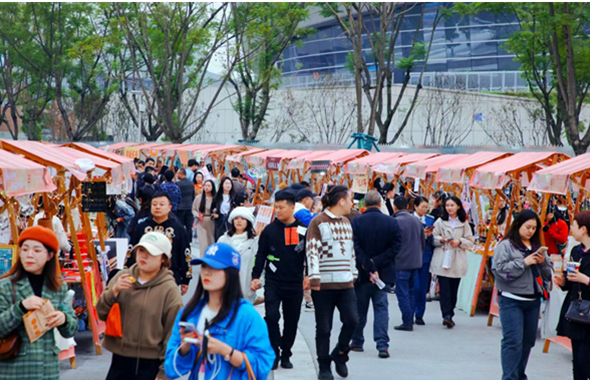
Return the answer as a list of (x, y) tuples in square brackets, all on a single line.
[(572, 266)]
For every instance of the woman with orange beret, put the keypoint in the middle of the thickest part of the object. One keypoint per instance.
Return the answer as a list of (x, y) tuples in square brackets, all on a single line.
[(33, 279)]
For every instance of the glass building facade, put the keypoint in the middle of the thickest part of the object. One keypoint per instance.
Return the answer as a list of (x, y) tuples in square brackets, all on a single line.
[(460, 44)]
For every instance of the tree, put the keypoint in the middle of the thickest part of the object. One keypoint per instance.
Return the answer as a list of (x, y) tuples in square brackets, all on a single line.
[(553, 48), (171, 47), (265, 30), (522, 122), (381, 23)]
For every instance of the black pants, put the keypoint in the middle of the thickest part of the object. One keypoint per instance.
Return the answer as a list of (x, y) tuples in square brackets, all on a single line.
[(581, 353), (125, 368), (187, 219), (291, 298), (325, 301), (448, 295), (220, 226)]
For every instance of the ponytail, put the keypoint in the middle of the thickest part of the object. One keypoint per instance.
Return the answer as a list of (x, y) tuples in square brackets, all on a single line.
[(334, 195)]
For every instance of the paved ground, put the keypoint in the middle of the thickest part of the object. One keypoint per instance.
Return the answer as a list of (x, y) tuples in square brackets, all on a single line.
[(469, 351)]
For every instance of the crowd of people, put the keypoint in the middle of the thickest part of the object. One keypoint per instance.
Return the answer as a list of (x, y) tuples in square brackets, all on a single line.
[(319, 254)]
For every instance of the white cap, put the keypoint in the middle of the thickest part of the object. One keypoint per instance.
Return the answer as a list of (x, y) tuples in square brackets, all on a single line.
[(156, 243), (243, 212)]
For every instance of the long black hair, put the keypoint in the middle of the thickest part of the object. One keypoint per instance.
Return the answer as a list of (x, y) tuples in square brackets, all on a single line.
[(219, 195), (230, 300), (203, 204), (460, 212), (195, 178), (231, 230), (513, 234)]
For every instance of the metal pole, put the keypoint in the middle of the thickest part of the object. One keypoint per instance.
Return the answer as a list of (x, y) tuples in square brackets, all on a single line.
[(140, 104)]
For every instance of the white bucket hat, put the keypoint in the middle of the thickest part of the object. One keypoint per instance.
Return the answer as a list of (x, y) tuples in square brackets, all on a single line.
[(156, 243), (243, 212)]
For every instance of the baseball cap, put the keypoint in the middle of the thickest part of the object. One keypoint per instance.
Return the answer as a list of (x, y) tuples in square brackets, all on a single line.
[(305, 193), (220, 256), (156, 243)]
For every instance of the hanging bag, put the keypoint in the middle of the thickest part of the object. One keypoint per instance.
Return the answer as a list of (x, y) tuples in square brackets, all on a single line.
[(579, 311), (11, 344), (113, 325)]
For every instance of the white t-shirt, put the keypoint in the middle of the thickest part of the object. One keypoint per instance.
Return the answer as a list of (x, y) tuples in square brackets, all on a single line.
[(206, 314), (225, 205)]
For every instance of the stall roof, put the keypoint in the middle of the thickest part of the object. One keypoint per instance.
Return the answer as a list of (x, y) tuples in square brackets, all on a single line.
[(299, 162), (45, 155), (495, 174), (126, 162), (340, 157), (237, 157), (117, 146), (259, 159), (419, 169), (116, 169), (455, 171), (555, 179), (393, 166), (21, 176), (361, 165)]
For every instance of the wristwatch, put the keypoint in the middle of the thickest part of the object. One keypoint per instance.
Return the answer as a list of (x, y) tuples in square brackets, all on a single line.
[(227, 358)]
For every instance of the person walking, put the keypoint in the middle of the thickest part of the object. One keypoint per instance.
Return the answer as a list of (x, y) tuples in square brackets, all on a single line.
[(235, 331), (577, 284), (281, 252), (172, 189), (191, 170), (377, 241), (235, 177), (389, 193), (202, 211), (198, 182), (305, 201), (148, 300), (408, 261), (33, 279), (121, 215), (423, 282), (187, 198), (452, 238), (438, 201), (555, 232), (161, 220), (242, 237), (332, 272), (223, 204), (518, 266)]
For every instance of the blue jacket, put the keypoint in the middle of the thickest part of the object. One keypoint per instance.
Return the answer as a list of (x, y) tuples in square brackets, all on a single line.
[(247, 333), (429, 246), (303, 214), (377, 241), (173, 192)]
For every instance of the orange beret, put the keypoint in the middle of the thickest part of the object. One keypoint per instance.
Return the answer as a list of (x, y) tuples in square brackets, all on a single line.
[(40, 234)]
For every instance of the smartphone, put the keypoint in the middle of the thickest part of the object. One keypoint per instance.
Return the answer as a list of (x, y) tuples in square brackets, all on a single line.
[(543, 250), (188, 327)]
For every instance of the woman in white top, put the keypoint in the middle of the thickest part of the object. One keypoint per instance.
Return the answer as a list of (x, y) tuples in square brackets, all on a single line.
[(223, 204), (452, 238), (242, 236)]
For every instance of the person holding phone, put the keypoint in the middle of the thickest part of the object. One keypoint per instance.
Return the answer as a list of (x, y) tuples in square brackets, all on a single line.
[(577, 284), (234, 329), (420, 211), (452, 237), (519, 262)]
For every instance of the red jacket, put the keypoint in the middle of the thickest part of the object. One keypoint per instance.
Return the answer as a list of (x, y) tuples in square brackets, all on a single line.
[(557, 234)]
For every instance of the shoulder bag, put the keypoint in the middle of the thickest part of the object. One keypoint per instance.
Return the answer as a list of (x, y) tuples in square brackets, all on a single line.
[(579, 311), (10, 345)]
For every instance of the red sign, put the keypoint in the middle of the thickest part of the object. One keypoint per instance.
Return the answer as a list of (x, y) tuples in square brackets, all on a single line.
[(272, 163)]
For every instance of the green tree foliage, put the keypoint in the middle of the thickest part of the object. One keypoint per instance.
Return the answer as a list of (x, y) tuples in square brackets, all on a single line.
[(262, 32)]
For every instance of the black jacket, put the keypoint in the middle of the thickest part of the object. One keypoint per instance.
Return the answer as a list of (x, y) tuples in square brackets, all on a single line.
[(377, 241), (573, 330), (181, 248), (389, 206), (412, 242), (281, 250), (187, 192)]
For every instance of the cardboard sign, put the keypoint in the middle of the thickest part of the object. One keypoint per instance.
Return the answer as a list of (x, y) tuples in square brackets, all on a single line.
[(272, 163), (132, 152), (320, 166), (360, 184), (263, 218), (94, 196), (36, 321)]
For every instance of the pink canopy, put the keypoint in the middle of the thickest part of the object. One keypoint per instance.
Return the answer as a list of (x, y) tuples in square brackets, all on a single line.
[(420, 169), (555, 179), (126, 163), (362, 165), (494, 175), (21, 176), (101, 163), (455, 171), (259, 159), (116, 146), (299, 162), (393, 166), (238, 157), (44, 154), (342, 156)]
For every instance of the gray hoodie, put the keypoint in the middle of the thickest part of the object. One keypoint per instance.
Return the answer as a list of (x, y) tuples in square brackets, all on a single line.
[(512, 274)]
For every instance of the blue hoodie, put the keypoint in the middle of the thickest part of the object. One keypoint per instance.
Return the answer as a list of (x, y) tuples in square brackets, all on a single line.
[(247, 333), (303, 214)]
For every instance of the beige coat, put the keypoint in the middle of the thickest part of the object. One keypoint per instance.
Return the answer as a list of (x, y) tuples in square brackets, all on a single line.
[(205, 227), (462, 231)]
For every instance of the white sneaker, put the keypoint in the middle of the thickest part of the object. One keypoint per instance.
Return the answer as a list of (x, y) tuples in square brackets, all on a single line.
[(309, 306)]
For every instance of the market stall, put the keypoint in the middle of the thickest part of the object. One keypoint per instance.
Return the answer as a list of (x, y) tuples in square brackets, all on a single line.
[(424, 171), (391, 170), (358, 171), (118, 148)]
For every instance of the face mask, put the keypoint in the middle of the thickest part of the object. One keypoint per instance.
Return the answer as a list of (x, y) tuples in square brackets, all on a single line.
[(561, 208)]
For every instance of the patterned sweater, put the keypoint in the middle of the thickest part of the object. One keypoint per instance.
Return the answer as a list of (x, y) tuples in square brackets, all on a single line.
[(330, 252)]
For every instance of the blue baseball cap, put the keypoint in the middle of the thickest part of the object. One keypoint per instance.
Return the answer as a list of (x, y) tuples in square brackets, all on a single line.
[(220, 256)]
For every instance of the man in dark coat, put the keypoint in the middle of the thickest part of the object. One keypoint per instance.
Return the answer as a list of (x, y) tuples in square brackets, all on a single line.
[(376, 243), (187, 197)]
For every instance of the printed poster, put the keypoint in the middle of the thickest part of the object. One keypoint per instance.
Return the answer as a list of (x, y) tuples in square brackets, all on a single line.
[(360, 183)]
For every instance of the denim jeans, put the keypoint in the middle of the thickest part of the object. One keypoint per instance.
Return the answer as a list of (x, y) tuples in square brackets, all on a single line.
[(519, 320), (366, 293), (405, 288), (422, 288), (325, 301)]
